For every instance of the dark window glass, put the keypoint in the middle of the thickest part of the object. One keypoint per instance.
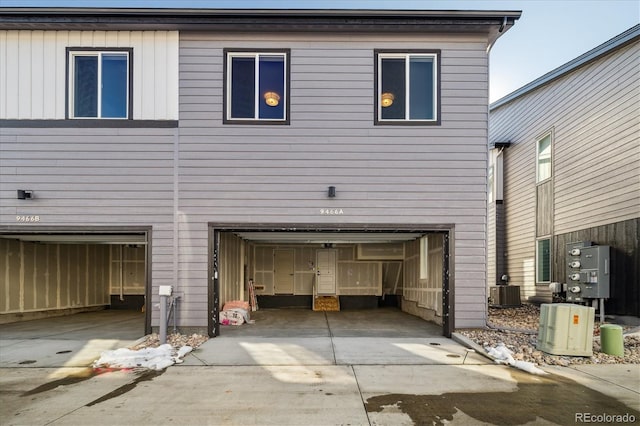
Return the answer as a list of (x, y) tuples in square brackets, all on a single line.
[(85, 86), (243, 87), (393, 83), (114, 85), (421, 88), (271, 83), (544, 261)]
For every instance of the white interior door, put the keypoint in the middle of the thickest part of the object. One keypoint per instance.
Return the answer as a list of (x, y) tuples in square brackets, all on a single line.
[(326, 272), (283, 271)]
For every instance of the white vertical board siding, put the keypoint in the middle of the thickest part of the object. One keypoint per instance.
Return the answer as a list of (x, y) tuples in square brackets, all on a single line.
[(33, 71), (595, 117), (427, 175)]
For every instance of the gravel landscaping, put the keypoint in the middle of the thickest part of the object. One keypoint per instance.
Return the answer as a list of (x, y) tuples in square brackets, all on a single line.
[(517, 329)]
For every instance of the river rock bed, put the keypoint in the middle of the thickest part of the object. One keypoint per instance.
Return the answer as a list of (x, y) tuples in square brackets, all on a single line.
[(176, 340), (517, 329)]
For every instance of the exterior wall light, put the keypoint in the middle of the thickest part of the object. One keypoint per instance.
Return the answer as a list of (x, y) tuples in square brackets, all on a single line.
[(332, 192), (272, 99), (24, 194), (386, 99)]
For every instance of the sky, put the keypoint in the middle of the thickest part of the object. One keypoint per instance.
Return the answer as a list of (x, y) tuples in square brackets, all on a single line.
[(549, 34)]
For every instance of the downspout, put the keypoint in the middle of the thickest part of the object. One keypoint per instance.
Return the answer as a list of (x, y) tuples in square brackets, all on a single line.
[(505, 20)]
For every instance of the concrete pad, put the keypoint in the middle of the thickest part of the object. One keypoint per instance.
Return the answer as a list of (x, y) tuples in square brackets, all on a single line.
[(233, 396), (56, 353), (432, 379), (619, 381), (38, 396), (263, 351), (410, 351)]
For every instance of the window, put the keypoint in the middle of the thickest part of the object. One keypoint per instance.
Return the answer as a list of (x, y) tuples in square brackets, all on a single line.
[(407, 89), (99, 83), (256, 86), (543, 261), (543, 171)]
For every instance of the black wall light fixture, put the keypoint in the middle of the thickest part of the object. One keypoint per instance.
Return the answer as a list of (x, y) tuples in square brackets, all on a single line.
[(24, 194), (332, 192)]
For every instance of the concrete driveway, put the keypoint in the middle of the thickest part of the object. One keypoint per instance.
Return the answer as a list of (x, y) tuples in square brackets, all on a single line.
[(317, 377)]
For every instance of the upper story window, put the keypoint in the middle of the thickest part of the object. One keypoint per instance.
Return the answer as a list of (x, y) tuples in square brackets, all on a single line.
[(99, 83), (407, 87), (543, 158), (257, 86)]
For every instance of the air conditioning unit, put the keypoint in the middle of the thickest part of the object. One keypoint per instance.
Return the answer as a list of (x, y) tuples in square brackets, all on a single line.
[(566, 329), (504, 295)]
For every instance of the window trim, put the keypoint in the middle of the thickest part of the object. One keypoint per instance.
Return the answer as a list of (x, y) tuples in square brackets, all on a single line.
[(538, 240), (406, 53), (73, 51), (550, 134), (226, 91)]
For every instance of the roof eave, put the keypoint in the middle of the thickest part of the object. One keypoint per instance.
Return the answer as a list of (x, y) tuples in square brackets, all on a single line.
[(618, 42), (256, 20)]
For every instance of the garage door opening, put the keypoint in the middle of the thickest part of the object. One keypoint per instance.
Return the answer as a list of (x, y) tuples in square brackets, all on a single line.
[(52, 273), (332, 270)]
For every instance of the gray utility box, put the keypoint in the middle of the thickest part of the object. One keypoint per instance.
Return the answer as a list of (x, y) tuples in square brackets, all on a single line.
[(588, 272)]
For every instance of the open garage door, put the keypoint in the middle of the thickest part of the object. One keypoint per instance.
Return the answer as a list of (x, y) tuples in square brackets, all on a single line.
[(51, 272), (306, 267)]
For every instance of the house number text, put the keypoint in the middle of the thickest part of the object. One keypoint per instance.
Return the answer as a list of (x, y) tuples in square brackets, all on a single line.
[(331, 211), (27, 218)]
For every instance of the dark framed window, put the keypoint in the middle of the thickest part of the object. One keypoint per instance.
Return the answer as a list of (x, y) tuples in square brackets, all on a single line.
[(543, 260), (99, 83), (407, 87), (256, 86)]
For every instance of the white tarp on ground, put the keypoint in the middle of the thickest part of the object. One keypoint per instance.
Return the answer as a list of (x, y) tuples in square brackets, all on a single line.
[(152, 358), (503, 355)]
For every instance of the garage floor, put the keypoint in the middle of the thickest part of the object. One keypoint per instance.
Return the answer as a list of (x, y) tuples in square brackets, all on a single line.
[(68, 341), (288, 322)]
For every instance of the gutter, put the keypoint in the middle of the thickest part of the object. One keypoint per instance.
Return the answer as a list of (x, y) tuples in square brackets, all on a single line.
[(225, 20)]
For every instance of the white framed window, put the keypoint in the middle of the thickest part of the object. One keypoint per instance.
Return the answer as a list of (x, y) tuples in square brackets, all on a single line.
[(99, 83), (407, 87), (257, 86), (543, 261), (544, 157)]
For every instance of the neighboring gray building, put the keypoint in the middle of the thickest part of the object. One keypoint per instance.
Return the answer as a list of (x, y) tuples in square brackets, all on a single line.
[(565, 167), (312, 152)]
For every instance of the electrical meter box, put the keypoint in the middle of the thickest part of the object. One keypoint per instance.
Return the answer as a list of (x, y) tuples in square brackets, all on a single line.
[(566, 329), (588, 272)]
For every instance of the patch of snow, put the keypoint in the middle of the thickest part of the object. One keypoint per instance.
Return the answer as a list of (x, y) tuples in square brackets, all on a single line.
[(152, 358)]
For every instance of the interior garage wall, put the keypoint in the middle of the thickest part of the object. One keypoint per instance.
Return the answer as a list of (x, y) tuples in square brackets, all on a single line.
[(231, 268), (128, 269), (40, 277), (354, 276), (423, 296)]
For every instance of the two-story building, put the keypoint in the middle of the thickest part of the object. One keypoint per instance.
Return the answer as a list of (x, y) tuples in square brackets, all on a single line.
[(332, 152), (565, 169)]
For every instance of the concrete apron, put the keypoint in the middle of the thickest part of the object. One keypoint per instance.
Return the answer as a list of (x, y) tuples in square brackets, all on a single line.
[(316, 378), (294, 395)]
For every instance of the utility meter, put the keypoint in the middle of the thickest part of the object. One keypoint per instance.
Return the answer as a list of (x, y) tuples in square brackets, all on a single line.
[(588, 272)]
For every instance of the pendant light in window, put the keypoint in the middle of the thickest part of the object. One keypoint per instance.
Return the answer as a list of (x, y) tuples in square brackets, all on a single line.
[(272, 99), (386, 99)]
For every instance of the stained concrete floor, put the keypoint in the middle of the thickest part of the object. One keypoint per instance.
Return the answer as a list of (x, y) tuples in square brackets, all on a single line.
[(321, 373)]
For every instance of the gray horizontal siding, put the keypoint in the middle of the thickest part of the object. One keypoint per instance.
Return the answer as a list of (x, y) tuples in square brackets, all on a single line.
[(383, 174), (596, 165), (93, 177)]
